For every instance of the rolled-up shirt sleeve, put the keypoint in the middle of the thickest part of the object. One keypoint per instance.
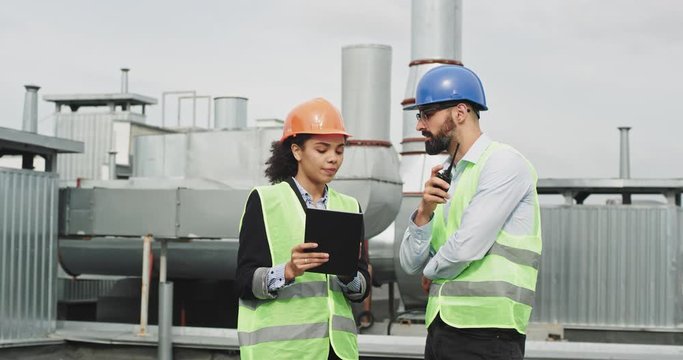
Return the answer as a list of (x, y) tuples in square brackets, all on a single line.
[(355, 289), (276, 278), (414, 252)]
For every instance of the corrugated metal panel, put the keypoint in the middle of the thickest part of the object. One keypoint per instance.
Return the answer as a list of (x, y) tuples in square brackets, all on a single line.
[(610, 267), (95, 130), (28, 228)]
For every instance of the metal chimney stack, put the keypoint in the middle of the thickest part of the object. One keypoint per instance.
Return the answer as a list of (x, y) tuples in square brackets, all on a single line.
[(436, 39), (366, 91), (436, 29), (625, 160), (30, 123), (124, 80)]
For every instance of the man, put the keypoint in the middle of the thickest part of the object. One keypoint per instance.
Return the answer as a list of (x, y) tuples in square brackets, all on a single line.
[(477, 238)]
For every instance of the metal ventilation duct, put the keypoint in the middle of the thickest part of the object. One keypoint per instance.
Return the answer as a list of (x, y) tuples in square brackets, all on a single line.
[(436, 29), (31, 109), (366, 91), (370, 171), (435, 40), (230, 112)]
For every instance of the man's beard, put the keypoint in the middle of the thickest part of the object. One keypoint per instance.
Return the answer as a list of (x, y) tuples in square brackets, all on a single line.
[(439, 143)]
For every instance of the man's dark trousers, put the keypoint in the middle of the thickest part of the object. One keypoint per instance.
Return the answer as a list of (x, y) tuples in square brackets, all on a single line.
[(446, 342)]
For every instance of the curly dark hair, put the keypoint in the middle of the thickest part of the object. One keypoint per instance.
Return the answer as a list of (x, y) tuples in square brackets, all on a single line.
[(282, 165)]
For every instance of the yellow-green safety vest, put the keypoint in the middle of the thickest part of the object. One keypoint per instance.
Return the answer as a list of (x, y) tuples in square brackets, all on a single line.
[(498, 290), (310, 314)]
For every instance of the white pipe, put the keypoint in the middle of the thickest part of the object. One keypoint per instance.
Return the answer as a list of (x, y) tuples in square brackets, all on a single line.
[(163, 103), (194, 109), (436, 38), (162, 261), (436, 29), (165, 349), (144, 296), (625, 156), (124, 80), (30, 121), (112, 165)]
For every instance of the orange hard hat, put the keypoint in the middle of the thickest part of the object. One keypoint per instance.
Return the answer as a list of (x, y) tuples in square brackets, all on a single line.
[(317, 116)]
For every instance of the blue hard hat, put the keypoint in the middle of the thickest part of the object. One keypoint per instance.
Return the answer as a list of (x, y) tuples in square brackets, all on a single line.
[(449, 83)]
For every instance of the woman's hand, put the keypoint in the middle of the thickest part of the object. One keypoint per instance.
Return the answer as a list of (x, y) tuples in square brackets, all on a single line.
[(302, 261)]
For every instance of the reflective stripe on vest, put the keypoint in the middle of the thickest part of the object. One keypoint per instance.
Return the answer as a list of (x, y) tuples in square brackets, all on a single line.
[(498, 290), (283, 332), (309, 315), (296, 332), (518, 256), (483, 288), (295, 290)]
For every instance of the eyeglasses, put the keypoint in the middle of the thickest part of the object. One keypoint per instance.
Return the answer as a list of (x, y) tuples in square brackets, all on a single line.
[(425, 114)]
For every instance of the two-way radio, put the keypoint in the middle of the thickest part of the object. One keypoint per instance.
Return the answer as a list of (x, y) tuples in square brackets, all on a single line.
[(445, 175)]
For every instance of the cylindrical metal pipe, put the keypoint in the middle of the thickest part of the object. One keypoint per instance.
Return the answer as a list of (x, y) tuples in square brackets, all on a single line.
[(112, 165), (436, 39), (625, 156), (163, 256), (436, 29), (366, 91), (144, 296), (124, 80), (194, 108), (163, 103), (165, 350), (201, 259), (230, 112), (30, 122)]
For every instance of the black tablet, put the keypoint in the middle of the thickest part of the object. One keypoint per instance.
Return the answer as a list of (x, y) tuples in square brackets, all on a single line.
[(337, 233)]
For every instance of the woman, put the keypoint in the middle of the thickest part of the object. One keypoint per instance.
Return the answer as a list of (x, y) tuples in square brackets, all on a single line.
[(286, 312)]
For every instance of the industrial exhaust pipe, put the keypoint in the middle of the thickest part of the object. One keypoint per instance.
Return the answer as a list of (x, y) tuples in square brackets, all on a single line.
[(30, 123), (625, 160), (366, 91), (124, 80), (436, 40)]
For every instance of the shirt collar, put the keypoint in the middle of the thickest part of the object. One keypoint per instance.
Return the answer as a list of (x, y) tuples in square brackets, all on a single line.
[(309, 199), (477, 150)]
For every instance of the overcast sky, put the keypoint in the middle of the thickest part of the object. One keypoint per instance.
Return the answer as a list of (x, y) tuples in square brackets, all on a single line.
[(560, 76)]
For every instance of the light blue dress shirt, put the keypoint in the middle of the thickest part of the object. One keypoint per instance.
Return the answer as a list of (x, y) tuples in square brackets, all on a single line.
[(276, 275), (504, 199)]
